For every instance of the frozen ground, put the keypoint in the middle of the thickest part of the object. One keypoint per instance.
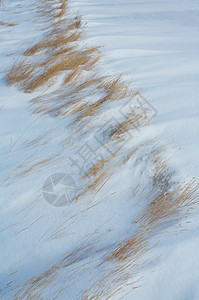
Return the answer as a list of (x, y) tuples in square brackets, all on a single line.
[(156, 45)]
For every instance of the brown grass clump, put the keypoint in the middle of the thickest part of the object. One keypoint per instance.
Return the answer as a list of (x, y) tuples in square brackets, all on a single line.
[(53, 11), (171, 200), (30, 75), (132, 248), (97, 176), (7, 24), (133, 120), (114, 90), (57, 52)]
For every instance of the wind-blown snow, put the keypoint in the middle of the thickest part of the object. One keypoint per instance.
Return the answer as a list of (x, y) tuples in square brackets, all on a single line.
[(156, 45)]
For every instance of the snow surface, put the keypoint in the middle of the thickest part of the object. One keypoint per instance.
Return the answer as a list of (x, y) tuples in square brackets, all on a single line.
[(156, 45)]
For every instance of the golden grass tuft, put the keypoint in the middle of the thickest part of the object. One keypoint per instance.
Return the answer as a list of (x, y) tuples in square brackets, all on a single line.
[(57, 52), (7, 24), (58, 56), (129, 249)]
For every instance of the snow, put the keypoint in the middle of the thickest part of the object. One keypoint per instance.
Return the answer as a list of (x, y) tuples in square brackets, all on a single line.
[(155, 45)]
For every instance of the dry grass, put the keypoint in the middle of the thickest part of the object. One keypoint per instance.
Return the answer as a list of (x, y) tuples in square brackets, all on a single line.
[(97, 176), (30, 75), (170, 202), (35, 287), (114, 90), (134, 120), (57, 52), (7, 24)]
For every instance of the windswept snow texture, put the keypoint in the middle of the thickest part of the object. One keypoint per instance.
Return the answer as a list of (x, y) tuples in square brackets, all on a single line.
[(156, 45)]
